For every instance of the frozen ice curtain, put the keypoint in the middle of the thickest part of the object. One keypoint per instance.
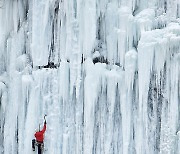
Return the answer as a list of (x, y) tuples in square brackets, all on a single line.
[(106, 72)]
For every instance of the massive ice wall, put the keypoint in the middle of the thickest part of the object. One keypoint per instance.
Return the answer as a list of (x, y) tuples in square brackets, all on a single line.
[(115, 83)]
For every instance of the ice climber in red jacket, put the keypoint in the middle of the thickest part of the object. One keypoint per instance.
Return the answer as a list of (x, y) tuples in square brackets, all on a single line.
[(40, 134), (39, 141)]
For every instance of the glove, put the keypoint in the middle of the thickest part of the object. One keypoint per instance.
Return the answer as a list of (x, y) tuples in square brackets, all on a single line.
[(45, 122)]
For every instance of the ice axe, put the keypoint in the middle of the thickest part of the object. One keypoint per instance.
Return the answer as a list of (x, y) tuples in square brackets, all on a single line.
[(45, 118)]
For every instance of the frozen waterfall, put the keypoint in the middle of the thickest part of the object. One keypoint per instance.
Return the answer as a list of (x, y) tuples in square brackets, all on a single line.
[(114, 87)]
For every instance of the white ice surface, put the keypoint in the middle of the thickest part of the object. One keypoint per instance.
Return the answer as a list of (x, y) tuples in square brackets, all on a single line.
[(126, 104)]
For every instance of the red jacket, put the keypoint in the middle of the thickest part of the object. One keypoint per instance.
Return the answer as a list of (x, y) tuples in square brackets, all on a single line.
[(40, 135)]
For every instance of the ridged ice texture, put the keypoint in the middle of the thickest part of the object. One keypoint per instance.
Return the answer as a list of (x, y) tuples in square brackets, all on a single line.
[(127, 103)]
